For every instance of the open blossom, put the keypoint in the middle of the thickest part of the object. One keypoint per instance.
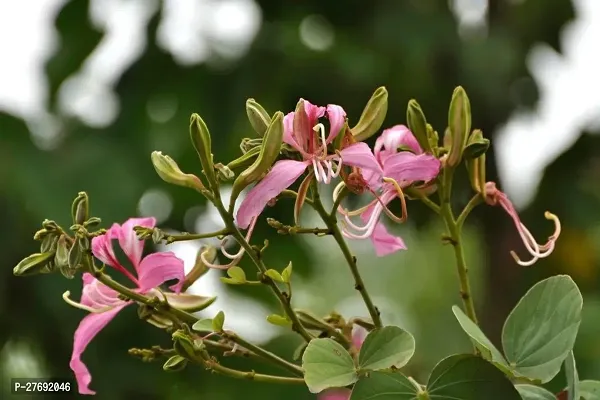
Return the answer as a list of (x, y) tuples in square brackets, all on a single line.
[(403, 163), (493, 197), (307, 136), (104, 303)]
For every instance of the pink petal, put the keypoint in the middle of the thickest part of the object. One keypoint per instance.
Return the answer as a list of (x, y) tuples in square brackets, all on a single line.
[(406, 167), (131, 245), (88, 328), (313, 112), (288, 132), (281, 176), (337, 118), (360, 155), (358, 336), (396, 136), (335, 394), (385, 243), (97, 295), (157, 268), (102, 247)]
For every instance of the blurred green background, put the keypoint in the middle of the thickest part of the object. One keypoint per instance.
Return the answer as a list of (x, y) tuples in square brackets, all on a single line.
[(103, 113)]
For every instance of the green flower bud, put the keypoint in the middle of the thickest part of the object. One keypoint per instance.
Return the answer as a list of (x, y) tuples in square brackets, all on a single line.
[(169, 171), (184, 345), (225, 173), (248, 144), (80, 208), (477, 145), (49, 243), (199, 268), (459, 122), (372, 116), (202, 143), (33, 264), (268, 155), (175, 363), (259, 118), (61, 258), (418, 124), (246, 159), (75, 255), (476, 170), (432, 137)]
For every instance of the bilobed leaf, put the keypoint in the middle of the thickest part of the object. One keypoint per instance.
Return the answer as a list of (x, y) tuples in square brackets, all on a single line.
[(286, 274), (531, 392), (469, 377), (327, 365), (572, 377), (384, 386), (589, 390), (218, 321), (483, 344), (279, 320), (540, 331), (276, 276), (203, 325), (237, 274), (386, 347)]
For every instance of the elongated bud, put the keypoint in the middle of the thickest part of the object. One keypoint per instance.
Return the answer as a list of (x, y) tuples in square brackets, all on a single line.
[(80, 208), (33, 264), (61, 258), (311, 321), (75, 255), (268, 155), (418, 124), (169, 171), (432, 137), (476, 170), (447, 141), (49, 243), (175, 363), (246, 159), (225, 173), (202, 143), (259, 118), (184, 345), (459, 122), (372, 116), (199, 269), (477, 145)]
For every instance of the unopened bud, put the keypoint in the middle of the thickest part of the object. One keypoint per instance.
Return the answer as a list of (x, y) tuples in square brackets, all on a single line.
[(477, 145), (75, 255), (225, 173), (61, 258), (447, 141), (200, 268), (169, 171), (50, 226), (175, 363), (310, 321), (459, 122), (80, 208), (432, 137), (202, 143), (49, 243), (246, 159), (372, 116), (248, 144), (269, 152), (476, 170), (418, 124), (184, 345), (259, 118), (33, 264)]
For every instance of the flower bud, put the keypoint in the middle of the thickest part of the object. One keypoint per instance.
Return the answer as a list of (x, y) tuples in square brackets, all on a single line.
[(80, 208), (201, 140), (61, 257), (477, 145), (459, 122), (225, 173), (259, 118), (49, 243), (248, 144), (184, 345), (199, 269), (246, 159), (432, 137), (33, 264), (75, 255), (372, 116), (418, 124), (169, 171), (175, 363), (268, 155), (476, 170)]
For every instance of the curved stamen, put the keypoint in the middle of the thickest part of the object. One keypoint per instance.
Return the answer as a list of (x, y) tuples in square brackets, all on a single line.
[(322, 175), (66, 297), (315, 169), (235, 258), (536, 250), (400, 195), (368, 228), (321, 128)]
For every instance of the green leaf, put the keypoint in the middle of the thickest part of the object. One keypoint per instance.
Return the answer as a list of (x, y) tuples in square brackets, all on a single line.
[(540, 331), (327, 365), (203, 325), (237, 274), (286, 274), (279, 320), (384, 386), (483, 344), (572, 377), (531, 392), (469, 377), (231, 281), (589, 390), (218, 321), (276, 276), (386, 347)]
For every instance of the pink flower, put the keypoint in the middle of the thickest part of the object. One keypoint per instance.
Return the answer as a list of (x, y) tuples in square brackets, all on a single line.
[(102, 302), (303, 132), (400, 170), (493, 196)]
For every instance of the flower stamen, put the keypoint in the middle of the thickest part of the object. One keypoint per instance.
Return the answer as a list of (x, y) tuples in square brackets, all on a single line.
[(66, 297)]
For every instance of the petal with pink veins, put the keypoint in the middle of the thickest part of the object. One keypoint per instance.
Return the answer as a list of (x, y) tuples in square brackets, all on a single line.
[(102, 247), (335, 394), (88, 328), (313, 112), (128, 240), (337, 118), (281, 176), (397, 136), (97, 295), (288, 132), (360, 155), (157, 268), (385, 243), (406, 167)]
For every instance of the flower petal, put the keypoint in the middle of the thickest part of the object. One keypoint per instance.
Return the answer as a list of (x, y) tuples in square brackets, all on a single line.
[(131, 245), (397, 136), (97, 295), (88, 328), (360, 155), (157, 268), (102, 246), (359, 334), (335, 394), (313, 112), (385, 243), (337, 118), (288, 132), (406, 167), (281, 176)]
